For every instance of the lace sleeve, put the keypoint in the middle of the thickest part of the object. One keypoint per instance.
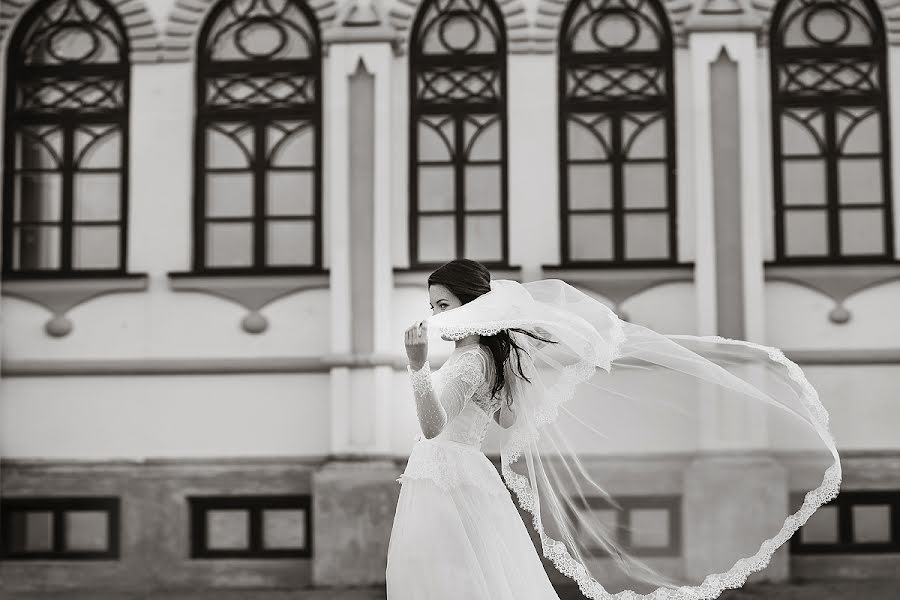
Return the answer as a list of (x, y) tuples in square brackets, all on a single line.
[(462, 379), (431, 414)]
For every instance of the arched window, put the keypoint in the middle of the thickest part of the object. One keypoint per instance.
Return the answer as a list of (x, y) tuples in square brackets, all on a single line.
[(65, 181), (831, 145), (258, 189), (458, 187), (617, 134)]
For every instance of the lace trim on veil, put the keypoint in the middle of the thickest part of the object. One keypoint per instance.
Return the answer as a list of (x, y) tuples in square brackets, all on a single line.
[(487, 328), (713, 584), (564, 390)]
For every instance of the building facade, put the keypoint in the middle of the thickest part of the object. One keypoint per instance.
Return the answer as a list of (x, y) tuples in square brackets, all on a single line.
[(219, 216)]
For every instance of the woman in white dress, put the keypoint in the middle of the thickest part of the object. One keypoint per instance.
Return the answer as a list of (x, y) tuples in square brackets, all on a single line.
[(457, 533)]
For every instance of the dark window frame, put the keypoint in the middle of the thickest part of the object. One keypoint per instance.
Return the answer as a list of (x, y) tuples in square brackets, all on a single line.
[(254, 505), (420, 63), (68, 120), (58, 506), (878, 100), (259, 119), (670, 503), (845, 544), (616, 110)]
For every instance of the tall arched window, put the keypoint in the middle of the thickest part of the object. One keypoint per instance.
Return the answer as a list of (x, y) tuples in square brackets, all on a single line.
[(458, 187), (831, 144), (65, 184), (617, 134), (258, 198)]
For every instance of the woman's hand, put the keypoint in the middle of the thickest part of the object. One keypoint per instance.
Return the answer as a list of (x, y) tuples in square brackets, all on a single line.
[(416, 340)]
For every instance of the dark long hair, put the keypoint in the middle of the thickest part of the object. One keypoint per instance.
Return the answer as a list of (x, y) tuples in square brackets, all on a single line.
[(467, 279)]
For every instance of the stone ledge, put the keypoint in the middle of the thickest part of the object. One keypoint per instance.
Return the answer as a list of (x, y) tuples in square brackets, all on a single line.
[(253, 292), (323, 364), (838, 282), (61, 295), (618, 284)]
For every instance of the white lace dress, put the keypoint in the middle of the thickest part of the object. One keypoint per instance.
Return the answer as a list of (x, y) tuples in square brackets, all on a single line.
[(457, 534)]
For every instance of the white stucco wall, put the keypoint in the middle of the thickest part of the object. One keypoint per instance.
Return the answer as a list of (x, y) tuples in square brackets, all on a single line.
[(88, 417), (797, 318), (138, 417)]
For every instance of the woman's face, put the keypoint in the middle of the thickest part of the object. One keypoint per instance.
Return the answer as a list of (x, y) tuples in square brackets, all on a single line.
[(442, 300)]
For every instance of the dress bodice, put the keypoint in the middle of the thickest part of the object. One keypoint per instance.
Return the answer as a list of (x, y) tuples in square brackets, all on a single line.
[(453, 457), (468, 424)]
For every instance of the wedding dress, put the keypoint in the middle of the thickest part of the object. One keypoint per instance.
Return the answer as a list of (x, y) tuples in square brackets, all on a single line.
[(457, 534), (729, 431)]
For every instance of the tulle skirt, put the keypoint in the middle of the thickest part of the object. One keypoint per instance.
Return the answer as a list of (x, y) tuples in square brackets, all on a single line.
[(457, 533)]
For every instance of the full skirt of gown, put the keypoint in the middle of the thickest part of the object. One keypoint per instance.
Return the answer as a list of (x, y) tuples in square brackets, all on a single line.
[(457, 534)]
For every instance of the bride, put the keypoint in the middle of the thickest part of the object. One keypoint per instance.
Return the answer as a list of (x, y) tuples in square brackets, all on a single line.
[(523, 355)]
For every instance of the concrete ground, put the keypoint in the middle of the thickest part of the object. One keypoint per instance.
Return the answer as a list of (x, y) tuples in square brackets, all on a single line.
[(839, 590)]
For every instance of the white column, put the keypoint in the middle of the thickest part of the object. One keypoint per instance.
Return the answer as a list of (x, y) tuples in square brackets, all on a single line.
[(380, 60), (742, 49), (361, 394), (704, 49), (723, 427), (354, 493), (337, 209), (731, 435), (336, 193), (533, 141)]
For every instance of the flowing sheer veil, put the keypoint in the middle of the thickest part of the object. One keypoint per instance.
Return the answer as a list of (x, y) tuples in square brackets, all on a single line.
[(731, 432)]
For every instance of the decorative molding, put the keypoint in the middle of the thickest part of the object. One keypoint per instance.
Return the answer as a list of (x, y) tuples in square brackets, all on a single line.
[(686, 16), (59, 296), (838, 282), (144, 40), (187, 16), (723, 15), (35, 469), (545, 34), (311, 365), (251, 292), (518, 27), (890, 12), (419, 277), (864, 469), (361, 115), (618, 285), (361, 22), (319, 364), (728, 243), (877, 356)]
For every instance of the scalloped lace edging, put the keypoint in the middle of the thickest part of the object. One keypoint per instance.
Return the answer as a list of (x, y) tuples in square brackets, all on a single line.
[(590, 352), (714, 584)]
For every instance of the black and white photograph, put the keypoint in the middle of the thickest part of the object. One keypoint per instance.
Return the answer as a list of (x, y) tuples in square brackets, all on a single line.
[(450, 300)]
